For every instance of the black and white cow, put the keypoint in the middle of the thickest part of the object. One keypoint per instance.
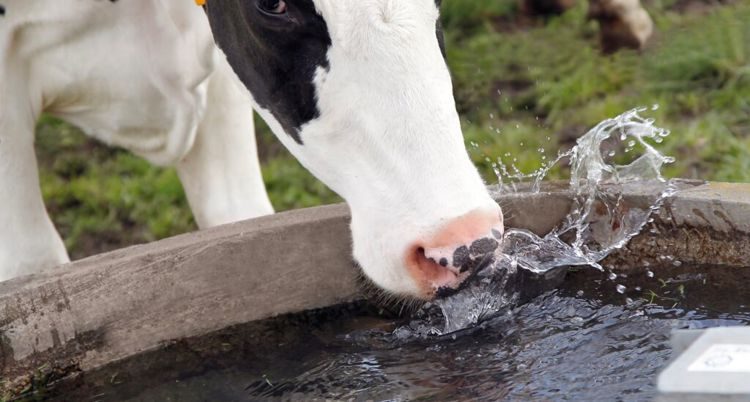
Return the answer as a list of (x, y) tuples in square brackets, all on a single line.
[(357, 90)]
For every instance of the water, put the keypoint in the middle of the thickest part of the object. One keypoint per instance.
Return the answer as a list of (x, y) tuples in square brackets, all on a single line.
[(598, 223), (581, 341)]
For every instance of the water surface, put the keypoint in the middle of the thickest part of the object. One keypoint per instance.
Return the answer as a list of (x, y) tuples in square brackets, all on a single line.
[(582, 341)]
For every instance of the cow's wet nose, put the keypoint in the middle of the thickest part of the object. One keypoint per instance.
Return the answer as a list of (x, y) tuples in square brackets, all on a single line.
[(455, 254)]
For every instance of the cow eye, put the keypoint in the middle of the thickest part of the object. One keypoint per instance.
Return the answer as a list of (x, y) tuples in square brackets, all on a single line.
[(272, 7)]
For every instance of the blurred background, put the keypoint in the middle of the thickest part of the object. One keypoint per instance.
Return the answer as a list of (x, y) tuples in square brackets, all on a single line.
[(527, 84)]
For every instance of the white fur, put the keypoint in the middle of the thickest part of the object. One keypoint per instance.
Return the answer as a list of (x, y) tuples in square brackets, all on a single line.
[(144, 75)]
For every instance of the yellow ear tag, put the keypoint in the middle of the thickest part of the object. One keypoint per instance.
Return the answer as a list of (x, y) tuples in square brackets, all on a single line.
[(200, 2)]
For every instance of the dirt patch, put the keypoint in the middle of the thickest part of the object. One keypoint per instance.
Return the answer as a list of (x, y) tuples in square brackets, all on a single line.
[(33, 376), (663, 243)]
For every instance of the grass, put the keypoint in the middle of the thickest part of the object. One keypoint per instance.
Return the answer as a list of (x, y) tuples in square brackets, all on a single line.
[(520, 87)]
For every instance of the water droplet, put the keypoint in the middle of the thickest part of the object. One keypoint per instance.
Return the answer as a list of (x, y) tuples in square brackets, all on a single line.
[(677, 263), (621, 289), (612, 276), (649, 274), (655, 107)]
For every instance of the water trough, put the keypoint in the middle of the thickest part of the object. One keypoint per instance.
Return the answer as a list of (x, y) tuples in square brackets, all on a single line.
[(91, 313)]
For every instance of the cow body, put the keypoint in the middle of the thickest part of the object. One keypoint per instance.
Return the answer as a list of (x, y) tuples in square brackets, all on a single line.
[(142, 75)]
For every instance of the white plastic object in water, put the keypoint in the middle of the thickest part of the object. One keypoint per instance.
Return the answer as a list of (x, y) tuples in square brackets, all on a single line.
[(713, 364)]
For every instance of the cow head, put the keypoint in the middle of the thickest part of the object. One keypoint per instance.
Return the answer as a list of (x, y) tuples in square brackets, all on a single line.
[(359, 92)]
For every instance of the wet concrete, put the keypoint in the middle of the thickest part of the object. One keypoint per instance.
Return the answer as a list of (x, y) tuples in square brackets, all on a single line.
[(89, 313), (109, 307)]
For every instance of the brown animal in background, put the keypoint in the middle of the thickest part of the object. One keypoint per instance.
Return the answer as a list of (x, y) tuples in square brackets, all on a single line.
[(622, 23)]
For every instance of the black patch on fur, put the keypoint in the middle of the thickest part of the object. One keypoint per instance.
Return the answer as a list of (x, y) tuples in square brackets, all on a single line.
[(2, 10), (461, 256), (274, 56), (483, 246), (439, 31)]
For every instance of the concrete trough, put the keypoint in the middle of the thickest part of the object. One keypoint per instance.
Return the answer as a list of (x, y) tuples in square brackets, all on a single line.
[(85, 315)]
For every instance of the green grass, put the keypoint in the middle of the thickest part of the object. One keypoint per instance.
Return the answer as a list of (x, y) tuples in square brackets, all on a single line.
[(553, 83), (519, 87)]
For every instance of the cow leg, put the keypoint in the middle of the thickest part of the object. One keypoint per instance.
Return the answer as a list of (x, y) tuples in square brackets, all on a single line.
[(221, 173), (28, 239), (622, 24)]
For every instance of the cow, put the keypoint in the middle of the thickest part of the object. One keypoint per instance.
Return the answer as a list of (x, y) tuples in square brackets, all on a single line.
[(358, 91), (622, 23)]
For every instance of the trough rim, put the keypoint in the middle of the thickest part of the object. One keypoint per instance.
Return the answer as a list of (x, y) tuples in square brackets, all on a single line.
[(75, 318)]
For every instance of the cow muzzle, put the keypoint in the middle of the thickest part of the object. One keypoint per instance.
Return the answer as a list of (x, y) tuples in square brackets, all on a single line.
[(443, 264)]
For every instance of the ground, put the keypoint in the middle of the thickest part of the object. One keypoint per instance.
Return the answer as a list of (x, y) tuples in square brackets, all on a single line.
[(525, 89)]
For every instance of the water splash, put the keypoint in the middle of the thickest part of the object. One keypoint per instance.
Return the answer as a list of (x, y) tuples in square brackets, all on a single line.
[(598, 224)]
